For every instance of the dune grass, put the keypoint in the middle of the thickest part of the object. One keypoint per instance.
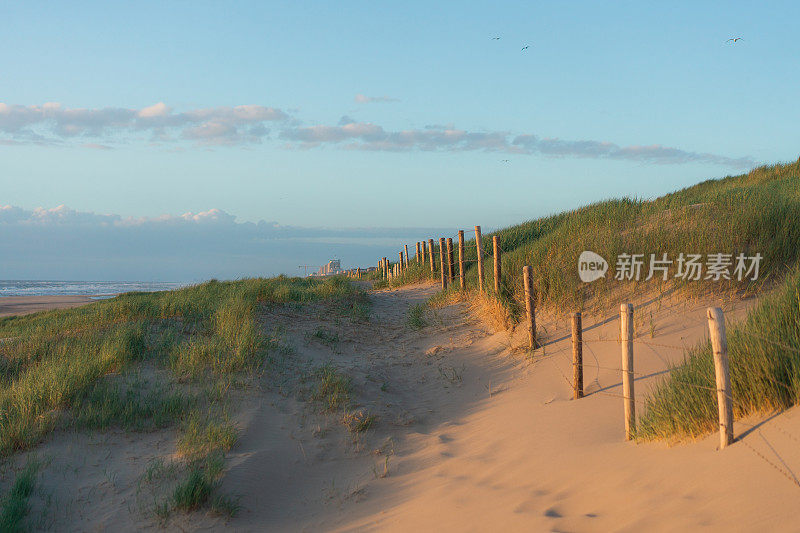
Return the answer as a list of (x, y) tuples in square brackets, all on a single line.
[(415, 319), (764, 359), (14, 505), (143, 361), (754, 212)]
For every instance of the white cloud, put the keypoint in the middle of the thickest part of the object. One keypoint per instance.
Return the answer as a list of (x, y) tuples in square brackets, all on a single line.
[(447, 138), (102, 128), (362, 99), (51, 123)]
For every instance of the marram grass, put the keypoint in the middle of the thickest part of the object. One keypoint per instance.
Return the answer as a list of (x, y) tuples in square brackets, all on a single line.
[(55, 361), (764, 359)]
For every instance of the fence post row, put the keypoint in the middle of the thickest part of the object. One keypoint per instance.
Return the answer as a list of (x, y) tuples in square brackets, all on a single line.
[(577, 355), (441, 260), (497, 265), (626, 341), (479, 249), (432, 258), (719, 345), (530, 309), (461, 279), (450, 263)]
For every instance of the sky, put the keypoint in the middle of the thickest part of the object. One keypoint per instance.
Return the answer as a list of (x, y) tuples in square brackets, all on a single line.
[(187, 140)]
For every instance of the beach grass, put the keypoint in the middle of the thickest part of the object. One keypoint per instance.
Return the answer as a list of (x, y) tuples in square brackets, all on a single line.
[(144, 361), (764, 360), (757, 212), (14, 505)]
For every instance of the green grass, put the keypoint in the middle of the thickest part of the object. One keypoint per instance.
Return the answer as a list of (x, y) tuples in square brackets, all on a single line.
[(764, 359), (201, 481), (330, 387), (328, 338), (415, 319), (14, 505), (56, 361), (144, 361), (202, 436), (754, 212)]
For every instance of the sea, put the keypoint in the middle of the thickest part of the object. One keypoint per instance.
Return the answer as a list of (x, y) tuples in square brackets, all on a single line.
[(13, 287)]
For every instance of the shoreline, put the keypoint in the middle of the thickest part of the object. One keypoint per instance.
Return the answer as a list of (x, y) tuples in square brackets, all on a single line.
[(25, 305)]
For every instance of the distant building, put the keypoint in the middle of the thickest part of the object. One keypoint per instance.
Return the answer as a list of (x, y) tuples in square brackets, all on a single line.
[(334, 266)]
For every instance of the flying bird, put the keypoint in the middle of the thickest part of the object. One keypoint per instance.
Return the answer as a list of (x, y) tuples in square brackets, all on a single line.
[(734, 39), (525, 47), (505, 161), (495, 38)]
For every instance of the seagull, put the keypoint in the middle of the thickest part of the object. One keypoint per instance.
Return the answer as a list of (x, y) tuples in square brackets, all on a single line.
[(495, 38), (525, 47), (505, 161), (734, 39)]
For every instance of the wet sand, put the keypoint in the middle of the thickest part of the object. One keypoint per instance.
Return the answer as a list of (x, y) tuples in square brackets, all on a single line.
[(23, 305)]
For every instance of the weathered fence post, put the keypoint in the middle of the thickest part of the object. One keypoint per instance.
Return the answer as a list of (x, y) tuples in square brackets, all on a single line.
[(419, 254), (577, 355), (432, 257), (406, 249), (626, 341), (450, 263), (527, 277), (719, 345), (461, 280), (497, 264), (400, 254), (443, 265), (479, 248)]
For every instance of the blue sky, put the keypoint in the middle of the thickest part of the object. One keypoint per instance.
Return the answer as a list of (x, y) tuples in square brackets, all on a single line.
[(577, 114)]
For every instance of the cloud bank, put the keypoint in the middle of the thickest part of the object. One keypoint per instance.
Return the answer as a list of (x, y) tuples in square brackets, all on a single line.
[(102, 128), (61, 243), (52, 123)]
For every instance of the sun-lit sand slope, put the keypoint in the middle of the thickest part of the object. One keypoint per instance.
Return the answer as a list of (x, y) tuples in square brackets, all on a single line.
[(23, 305), (470, 436), (477, 438)]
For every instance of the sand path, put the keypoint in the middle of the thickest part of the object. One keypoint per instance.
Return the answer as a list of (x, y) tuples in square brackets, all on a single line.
[(477, 437), (471, 435)]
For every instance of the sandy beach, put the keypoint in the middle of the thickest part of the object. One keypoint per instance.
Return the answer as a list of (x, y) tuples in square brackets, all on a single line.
[(23, 305)]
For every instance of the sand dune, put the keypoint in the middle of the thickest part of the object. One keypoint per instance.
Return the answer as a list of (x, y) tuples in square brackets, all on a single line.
[(471, 435)]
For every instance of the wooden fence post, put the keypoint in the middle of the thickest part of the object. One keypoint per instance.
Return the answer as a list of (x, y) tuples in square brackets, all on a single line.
[(626, 341), (527, 277), (461, 280), (400, 254), (406, 249), (443, 265), (577, 355), (479, 249), (719, 345), (497, 264), (419, 253), (432, 257), (450, 263)]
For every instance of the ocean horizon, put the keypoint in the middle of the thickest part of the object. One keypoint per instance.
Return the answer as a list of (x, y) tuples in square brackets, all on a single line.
[(11, 287)]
